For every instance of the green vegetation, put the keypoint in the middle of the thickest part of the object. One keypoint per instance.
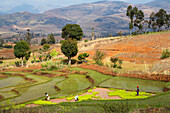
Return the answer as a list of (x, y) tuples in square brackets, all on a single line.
[(156, 21), (43, 41), (11, 81), (96, 76), (165, 54), (128, 95), (131, 83), (85, 97), (7, 46), (41, 102), (46, 47), (98, 57), (76, 82), (20, 49), (117, 62), (69, 49), (72, 31), (83, 56), (51, 39)]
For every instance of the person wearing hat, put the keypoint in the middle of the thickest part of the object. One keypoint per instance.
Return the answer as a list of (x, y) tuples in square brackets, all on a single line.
[(137, 90)]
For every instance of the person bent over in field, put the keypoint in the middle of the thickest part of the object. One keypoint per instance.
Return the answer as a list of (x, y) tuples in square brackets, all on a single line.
[(47, 96)]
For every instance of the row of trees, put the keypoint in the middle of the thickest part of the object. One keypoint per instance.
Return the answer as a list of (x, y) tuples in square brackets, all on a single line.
[(156, 20), (50, 40)]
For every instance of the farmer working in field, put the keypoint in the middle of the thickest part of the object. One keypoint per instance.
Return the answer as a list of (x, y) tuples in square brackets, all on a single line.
[(137, 90), (76, 98), (47, 96)]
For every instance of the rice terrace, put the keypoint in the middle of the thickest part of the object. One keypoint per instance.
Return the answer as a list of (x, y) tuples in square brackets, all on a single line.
[(77, 70)]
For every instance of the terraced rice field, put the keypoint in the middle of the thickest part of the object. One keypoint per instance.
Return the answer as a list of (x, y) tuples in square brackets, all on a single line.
[(21, 90), (131, 83)]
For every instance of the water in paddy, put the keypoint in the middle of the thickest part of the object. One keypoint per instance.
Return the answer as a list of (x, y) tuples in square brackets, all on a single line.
[(131, 83)]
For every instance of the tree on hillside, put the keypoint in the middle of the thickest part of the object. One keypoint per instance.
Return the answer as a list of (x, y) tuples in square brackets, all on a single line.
[(152, 21), (167, 21), (160, 18), (21, 49), (139, 18), (43, 41), (1, 42), (131, 13), (69, 49), (51, 39), (72, 31), (28, 37), (92, 34)]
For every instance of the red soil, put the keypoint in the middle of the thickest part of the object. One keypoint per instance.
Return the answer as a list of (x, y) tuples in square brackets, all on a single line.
[(138, 48)]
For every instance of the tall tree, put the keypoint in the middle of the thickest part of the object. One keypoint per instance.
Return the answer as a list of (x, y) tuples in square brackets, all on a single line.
[(72, 31), (152, 21), (69, 49), (92, 34), (131, 13), (167, 21), (21, 49), (51, 39), (138, 20), (1, 42), (43, 41), (160, 18), (28, 37)]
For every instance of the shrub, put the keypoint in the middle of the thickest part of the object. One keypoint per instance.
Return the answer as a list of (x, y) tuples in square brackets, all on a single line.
[(54, 53), (17, 63), (165, 54), (32, 61), (37, 61), (83, 56), (116, 62), (7, 46), (1, 62), (98, 57), (62, 41), (46, 47), (85, 40), (52, 65), (40, 58)]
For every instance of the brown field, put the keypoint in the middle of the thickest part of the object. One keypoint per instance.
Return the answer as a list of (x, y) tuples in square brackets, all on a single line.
[(139, 49), (140, 54)]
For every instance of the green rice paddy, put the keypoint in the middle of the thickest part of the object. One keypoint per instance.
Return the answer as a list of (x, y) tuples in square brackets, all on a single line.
[(74, 83), (131, 83), (69, 85)]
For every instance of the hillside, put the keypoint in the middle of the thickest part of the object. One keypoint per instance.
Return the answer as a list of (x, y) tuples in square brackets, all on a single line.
[(160, 3), (105, 16)]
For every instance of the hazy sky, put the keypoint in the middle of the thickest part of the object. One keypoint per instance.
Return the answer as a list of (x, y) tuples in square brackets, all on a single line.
[(7, 4)]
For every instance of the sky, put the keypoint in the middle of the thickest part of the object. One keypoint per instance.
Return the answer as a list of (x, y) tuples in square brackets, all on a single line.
[(8, 4)]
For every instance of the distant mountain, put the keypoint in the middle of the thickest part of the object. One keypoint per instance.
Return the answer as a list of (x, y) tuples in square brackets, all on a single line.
[(164, 4), (22, 8), (105, 16)]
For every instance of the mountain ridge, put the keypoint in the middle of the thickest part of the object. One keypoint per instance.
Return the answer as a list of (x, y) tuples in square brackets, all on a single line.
[(105, 16)]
